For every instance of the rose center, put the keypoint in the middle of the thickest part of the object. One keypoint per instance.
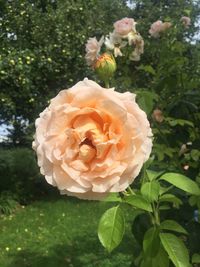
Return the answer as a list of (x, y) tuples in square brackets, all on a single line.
[(87, 150)]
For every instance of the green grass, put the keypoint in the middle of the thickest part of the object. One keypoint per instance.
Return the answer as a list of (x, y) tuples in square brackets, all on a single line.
[(59, 233)]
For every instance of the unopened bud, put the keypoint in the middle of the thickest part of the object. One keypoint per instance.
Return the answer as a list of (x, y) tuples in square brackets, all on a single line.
[(105, 66), (158, 115)]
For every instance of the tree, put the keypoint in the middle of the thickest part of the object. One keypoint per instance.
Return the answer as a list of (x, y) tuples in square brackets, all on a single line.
[(42, 51)]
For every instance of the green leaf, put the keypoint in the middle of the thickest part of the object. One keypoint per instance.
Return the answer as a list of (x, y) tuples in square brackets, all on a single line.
[(172, 226), (150, 190), (193, 200), (171, 198), (138, 202), (152, 175), (147, 68), (164, 207), (182, 182), (173, 122), (160, 260), (175, 249), (195, 154), (151, 242), (111, 228), (195, 258), (145, 100), (113, 197)]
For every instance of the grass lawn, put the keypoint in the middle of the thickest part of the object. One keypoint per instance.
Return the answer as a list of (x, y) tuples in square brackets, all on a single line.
[(59, 232)]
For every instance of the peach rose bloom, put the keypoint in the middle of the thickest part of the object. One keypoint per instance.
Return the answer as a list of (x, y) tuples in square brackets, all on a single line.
[(92, 140), (124, 26), (186, 21)]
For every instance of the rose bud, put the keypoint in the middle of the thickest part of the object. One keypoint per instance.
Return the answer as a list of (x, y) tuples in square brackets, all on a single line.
[(105, 66)]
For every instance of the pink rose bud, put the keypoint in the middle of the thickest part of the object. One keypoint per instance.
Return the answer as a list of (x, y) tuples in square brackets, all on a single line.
[(186, 21), (124, 26), (158, 115)]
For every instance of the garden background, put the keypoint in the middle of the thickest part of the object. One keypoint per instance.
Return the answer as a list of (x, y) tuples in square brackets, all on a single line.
[(42, 51)]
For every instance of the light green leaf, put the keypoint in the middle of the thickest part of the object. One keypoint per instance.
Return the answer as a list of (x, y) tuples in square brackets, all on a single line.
[(150, 190), (138, 202), (172, 226), (182, 182), (111, 228), (196, 258), (113, 197), (175, 249), (152, 175)]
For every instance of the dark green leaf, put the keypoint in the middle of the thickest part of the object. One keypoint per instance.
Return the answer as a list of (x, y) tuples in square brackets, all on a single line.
[(170, 198), (172, 226), (196, 258), (145, 100), (160, 260), (138, 202), (151, 242)]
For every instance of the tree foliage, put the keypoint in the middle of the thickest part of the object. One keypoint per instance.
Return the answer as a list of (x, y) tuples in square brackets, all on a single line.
[(42, 51)]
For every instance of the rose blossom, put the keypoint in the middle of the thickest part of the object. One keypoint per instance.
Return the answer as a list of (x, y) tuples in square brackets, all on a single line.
[(138, 41), (114, 42), (158, 115), (92, 140), (92, 50), (124, 26), (158, 27), (186, 21)]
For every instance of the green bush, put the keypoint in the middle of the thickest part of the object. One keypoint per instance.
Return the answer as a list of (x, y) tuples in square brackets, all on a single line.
[(20, 174)]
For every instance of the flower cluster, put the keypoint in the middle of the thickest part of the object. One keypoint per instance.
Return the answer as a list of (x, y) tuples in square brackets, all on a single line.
[(124, 34), (158, 27)]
